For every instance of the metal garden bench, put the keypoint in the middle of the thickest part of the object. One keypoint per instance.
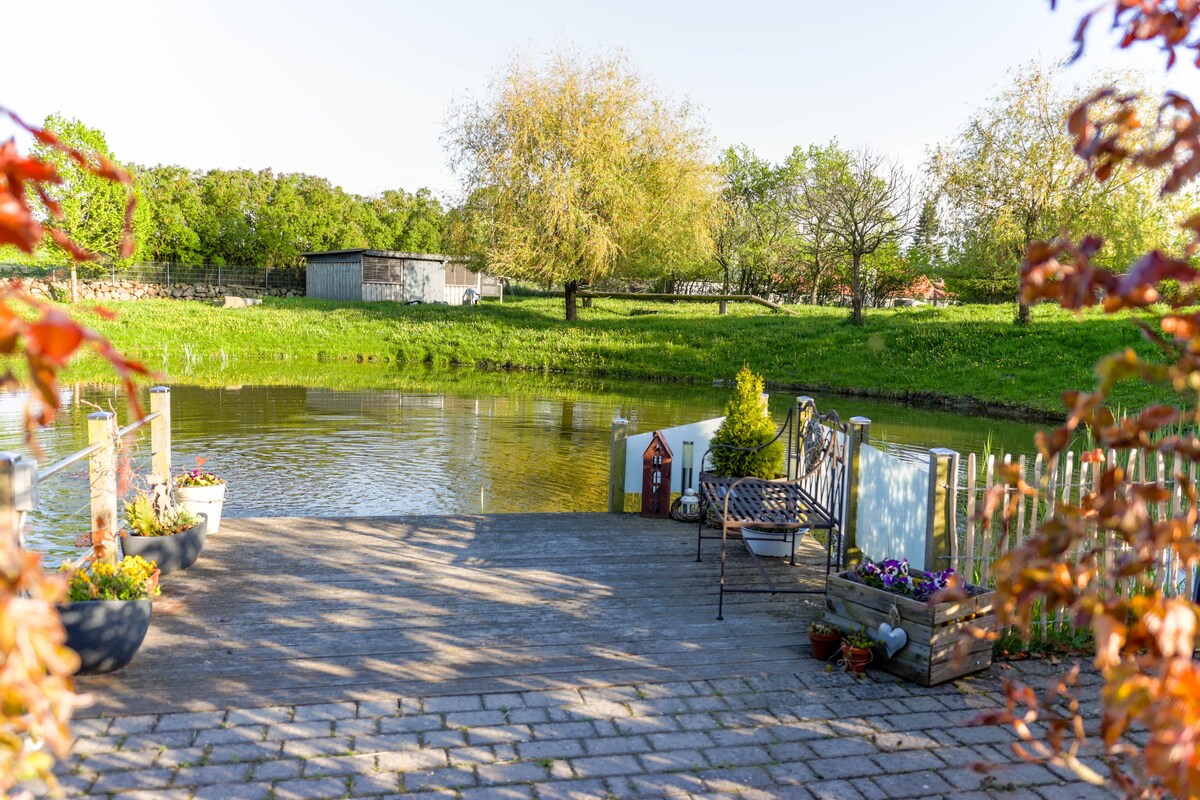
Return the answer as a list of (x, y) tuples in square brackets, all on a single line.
[(810, 498)]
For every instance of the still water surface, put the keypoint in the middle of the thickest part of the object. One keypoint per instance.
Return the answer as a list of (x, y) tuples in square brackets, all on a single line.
[(297, 451)]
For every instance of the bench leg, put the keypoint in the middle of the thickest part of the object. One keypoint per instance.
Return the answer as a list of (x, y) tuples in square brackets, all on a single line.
[(700, 530), (721, 593)]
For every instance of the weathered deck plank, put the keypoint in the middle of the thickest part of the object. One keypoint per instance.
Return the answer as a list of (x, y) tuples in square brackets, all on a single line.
[(313, 610)]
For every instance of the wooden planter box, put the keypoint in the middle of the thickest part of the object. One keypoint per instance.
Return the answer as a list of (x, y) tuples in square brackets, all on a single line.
[(934, 632)]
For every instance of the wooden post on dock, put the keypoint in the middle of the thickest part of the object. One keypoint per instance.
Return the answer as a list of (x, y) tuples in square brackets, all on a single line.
[(160, 434), (102, 473), (18, 493), (860, 434), (616, 466), (941, 534)]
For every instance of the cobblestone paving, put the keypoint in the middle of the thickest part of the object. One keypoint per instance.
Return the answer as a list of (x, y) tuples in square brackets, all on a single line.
[(811, 734)]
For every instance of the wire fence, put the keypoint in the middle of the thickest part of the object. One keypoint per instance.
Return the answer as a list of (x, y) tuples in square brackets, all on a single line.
[(166, 274)]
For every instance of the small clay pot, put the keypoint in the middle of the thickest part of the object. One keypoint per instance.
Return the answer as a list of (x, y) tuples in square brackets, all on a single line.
[(824, 645), (857, 658)]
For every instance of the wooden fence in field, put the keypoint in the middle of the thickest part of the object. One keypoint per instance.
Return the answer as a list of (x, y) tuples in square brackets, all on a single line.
[(979, 546)]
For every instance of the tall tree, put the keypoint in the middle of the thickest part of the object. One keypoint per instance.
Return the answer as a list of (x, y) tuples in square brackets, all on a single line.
[(752, 237), (866, 201), (584, 173), (819, 252), (925, 250), (92, 207), (1011, 172), (1011, 178), (171, 196)]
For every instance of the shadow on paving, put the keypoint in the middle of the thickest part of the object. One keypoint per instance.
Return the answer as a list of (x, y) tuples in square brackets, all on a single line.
[(297, 611)]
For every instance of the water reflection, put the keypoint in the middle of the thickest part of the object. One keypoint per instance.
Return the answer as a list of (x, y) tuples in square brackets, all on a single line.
[(296, 451)]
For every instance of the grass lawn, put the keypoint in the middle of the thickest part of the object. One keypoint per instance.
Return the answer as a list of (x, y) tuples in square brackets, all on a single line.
[(962, 353)]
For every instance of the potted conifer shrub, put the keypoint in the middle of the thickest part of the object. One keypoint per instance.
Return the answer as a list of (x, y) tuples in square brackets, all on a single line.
[(201, 492), (158, 530), (107, 612), (748, 425)]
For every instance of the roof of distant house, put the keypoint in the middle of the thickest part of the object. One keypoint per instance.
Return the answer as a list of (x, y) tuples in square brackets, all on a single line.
[(380, 254)]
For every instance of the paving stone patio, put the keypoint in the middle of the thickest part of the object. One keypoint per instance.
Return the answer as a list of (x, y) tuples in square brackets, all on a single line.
[(769, 723), (810, 734)]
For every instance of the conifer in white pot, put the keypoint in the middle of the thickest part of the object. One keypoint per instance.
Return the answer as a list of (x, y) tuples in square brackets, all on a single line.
[(201, 492)]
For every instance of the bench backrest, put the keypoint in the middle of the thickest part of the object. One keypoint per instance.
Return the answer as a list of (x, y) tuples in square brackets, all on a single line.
[(825, 480)]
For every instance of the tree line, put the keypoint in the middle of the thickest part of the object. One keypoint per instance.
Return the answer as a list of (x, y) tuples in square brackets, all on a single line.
[(235, 217), (576, 173)]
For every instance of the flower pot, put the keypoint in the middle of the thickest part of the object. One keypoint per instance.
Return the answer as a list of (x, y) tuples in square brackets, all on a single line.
[(768, 543), (203, 500), (936, 651), (857, 658), (170, 553), (824, 645), (105, 633)]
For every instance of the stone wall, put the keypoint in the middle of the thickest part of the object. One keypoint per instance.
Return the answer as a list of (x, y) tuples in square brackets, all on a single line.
[(133, 290)]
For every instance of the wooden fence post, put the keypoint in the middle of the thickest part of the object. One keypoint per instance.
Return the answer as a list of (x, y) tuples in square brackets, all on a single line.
[(860, 434), (616, 466), (941, 526), (102, 473), (18, 491), (160, 434)]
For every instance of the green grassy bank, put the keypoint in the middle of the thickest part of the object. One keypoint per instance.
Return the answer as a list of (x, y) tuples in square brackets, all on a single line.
[(970, 356)]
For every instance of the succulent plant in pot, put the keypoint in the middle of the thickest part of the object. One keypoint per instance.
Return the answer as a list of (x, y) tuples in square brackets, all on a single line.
[(201, 492), (857, 650), (159, 530), (107, 612), (824, 639)]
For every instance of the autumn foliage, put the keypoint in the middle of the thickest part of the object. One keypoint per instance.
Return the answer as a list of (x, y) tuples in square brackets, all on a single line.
[(36, 693), (1114, 565)]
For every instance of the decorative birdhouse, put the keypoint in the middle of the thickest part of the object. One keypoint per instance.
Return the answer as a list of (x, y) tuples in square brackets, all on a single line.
[(656, 478)]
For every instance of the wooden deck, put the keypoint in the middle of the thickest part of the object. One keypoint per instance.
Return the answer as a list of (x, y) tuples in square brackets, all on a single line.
[(291, 611)]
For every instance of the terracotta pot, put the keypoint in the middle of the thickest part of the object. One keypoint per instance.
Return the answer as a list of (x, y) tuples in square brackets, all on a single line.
[(824, 645), (857, 658)]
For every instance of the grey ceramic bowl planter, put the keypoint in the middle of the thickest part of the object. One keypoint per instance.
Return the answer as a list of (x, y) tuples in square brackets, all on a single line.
[(105, 633), (174, 552)]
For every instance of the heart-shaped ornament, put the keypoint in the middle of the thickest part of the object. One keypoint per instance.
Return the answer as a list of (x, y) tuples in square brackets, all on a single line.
[(893, 639)]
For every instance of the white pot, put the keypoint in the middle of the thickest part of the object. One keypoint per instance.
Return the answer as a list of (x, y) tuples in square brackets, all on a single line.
[(770, 543), (203, 500)]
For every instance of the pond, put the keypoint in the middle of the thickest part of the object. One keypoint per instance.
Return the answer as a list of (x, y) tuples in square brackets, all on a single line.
[(426, 444)]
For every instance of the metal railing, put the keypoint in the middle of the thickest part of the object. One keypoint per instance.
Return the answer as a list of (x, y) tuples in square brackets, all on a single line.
[(20, 476)]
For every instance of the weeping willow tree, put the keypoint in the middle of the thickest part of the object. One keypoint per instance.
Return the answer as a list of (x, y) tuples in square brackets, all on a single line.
[(577, 171)]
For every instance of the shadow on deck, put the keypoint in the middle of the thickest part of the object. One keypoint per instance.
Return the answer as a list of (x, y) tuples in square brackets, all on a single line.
[(293, 611)]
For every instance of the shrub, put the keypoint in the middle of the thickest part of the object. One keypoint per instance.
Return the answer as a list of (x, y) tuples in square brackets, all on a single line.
[(148, 515), (747, 424)]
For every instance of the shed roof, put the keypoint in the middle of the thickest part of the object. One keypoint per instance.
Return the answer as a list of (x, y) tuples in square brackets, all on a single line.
[(381, 254)]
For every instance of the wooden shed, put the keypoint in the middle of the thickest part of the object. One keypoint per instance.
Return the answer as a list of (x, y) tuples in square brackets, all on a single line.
[(390, 275)]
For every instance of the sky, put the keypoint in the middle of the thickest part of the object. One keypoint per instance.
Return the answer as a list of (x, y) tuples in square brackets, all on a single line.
[(360, 91)]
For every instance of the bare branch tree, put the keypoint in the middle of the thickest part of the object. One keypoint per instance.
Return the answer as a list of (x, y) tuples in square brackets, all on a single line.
[(864, 200)]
